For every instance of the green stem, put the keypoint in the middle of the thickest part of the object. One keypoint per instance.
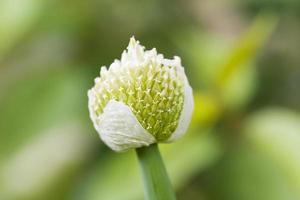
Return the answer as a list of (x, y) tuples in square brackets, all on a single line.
[(156, 181)]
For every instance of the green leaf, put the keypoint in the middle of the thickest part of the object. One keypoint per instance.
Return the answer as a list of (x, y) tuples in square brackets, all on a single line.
[(41, 122), (16, 18), (244, 173), (276, 133), (236, 79), (46, 166), (38, 101), (246, 47)]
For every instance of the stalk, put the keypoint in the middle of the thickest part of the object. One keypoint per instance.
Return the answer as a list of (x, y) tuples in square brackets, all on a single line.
[(157, 184)]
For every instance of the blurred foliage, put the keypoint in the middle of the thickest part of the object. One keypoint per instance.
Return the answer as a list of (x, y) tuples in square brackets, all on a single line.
[(16, 18), (276, 132), (193, 154), (242, 59)]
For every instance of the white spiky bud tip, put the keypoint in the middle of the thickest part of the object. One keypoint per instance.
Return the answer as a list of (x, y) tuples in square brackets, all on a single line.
[(141, 99)]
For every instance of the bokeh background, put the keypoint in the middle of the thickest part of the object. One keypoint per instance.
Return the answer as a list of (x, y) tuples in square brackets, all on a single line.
[(242, 59)]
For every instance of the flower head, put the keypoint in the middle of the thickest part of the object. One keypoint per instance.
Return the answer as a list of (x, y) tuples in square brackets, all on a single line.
[(141, 99)]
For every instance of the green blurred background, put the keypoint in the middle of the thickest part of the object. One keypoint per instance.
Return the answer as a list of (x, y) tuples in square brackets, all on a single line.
[(242, 59)]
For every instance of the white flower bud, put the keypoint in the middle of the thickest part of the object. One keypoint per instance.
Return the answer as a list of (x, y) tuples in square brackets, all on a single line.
[(141, 99)]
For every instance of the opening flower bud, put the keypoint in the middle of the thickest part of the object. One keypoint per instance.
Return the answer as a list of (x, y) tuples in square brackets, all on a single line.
[(141, 99)]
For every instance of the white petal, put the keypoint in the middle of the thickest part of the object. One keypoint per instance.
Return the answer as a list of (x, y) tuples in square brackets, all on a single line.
[(186, 115), (119, 128)]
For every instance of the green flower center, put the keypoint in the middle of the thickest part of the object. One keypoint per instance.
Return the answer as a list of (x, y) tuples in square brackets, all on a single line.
[(154, 93)]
